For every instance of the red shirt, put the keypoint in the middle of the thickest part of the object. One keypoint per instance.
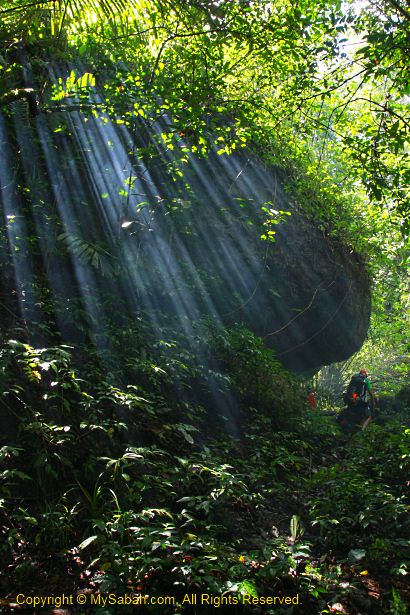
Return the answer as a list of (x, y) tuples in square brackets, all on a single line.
[(311, 399)]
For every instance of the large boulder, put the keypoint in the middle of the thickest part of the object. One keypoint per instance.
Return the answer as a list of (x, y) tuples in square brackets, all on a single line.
[(178, 241)]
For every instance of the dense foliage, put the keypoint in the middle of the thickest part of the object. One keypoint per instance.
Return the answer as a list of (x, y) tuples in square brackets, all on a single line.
[(120, 473), (117, 489), (319, 80)]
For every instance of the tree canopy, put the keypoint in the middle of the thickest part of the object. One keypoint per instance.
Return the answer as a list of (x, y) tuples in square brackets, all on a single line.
[(325, 82), (118, 474)]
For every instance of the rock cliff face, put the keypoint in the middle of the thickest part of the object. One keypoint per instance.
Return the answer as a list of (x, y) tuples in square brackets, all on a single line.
[(331, 291), (303, 293), (178, 242)]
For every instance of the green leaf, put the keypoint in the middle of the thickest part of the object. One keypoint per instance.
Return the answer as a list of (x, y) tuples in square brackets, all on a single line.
[(86, 542), (355, 555)]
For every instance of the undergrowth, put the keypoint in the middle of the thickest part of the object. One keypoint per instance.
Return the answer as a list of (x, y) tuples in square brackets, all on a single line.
[(135, 489)]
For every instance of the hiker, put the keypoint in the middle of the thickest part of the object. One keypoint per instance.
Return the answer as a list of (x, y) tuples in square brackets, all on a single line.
[(360, 398), (311, 399)]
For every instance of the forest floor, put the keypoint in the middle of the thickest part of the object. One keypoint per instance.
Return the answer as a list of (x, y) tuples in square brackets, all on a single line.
[(117, 497), (319, 522)]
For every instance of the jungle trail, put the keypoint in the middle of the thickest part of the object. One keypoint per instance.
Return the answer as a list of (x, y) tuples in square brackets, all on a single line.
[(204, 393)]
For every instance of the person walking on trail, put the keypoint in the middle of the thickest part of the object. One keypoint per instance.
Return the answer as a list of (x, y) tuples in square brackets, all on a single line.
[(360, 398), (311, 399)]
